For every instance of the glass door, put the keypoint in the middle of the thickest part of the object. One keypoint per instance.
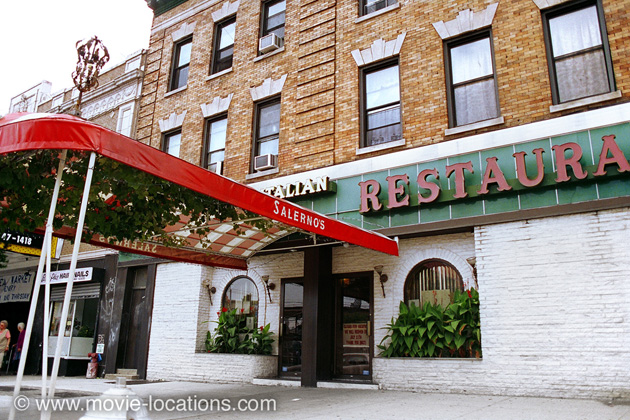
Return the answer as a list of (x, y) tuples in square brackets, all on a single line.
[(354, 342), (291, 317)]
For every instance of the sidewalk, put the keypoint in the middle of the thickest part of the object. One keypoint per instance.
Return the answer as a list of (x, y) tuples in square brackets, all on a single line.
[(187, 400)]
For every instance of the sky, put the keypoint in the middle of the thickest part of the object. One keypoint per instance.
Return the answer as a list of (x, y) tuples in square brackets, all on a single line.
[(38, 37)]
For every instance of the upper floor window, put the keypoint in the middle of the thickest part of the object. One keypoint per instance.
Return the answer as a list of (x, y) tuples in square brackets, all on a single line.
[(432, 281), (267, 134), (181, 64), (172, 142), (125, 120), (273, 16), (223, 45), (381, 104), (577, 51), (216, 133), (371, 6), (472, 86)]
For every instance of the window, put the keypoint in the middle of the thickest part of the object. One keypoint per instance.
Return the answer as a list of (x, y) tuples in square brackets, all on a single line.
[(273, 18), (267, 128), (223, 45), (181, 64), (79, 329), (172, 143), (432, 281), (381, 104), (371, 6), (471, 80), (577, 51), (241, 294), (125, 120), (216, 132)]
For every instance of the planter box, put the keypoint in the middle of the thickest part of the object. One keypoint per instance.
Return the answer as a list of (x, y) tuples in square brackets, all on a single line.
[(221, 368)]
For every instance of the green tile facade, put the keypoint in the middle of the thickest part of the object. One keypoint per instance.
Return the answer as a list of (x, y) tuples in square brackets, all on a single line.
[(345, 203)]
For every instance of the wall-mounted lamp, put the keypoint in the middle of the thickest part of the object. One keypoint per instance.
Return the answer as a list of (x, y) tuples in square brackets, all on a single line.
[(268, 286), (211, 291), (382, 277)]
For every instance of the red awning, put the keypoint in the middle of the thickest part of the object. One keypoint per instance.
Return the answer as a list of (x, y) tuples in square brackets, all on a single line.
[(228, 248)]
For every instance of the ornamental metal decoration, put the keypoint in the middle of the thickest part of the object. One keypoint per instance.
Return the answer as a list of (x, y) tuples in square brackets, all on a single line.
[(92, 56)]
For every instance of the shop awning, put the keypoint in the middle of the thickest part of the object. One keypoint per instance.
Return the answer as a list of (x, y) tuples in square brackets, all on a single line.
[(227, 243)]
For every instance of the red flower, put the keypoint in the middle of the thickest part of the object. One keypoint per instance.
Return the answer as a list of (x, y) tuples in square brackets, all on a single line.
[(469, 295), (224, 309), (262, 328), (218, 313), (242, 310)]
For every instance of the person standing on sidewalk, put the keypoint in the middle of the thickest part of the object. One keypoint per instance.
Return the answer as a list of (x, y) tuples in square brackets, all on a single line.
[(5, 339), (17, 347)]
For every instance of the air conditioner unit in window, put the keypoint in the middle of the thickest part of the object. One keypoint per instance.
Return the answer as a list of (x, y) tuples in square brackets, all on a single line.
[(263, 162), (217, 167), (269, 43)]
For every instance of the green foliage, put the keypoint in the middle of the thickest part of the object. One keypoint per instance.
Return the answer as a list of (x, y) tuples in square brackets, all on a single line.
[(232, 336), (435, 331), (124, 203)]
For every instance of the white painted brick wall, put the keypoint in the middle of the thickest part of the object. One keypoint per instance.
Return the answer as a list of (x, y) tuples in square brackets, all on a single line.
[(555, 306), (555, 313)]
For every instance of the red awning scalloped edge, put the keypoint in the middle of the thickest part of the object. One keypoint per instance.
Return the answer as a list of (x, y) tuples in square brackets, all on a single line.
[(23, 132)]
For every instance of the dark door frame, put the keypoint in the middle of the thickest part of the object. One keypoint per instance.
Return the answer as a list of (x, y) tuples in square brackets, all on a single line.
[(283, 283), (338, 345)]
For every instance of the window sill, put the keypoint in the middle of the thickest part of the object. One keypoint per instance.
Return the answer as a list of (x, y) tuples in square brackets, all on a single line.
[(269, 54), (173, 92), (219, 74), (379, 147), (585, 101), (380, 12), (262, 173), (473, 126)]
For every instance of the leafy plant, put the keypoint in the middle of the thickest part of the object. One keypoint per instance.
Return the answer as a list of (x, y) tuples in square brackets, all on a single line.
[(434, 331), (260, 341), (232, 336), (124, 203)]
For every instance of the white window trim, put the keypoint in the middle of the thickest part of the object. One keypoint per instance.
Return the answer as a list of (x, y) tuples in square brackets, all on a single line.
[(183, 31), (228, 9), (378, 13), (262, 173), (466, 21), (172, 122), (219, 74), (474, 126), (269, 54), (217, 106), (121, 110), (268, 88), (379, 50), (379, 147), (585, 101), (173, 92)]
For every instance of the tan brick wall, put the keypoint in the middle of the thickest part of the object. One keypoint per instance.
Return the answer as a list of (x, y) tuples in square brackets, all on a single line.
[(320, 99)]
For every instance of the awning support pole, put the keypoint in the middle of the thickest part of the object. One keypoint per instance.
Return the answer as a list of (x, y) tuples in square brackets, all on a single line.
[(73, 265), (46, 249)]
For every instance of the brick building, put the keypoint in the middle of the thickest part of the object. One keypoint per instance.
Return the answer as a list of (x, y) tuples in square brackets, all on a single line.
[(489, 137), (114, 104)]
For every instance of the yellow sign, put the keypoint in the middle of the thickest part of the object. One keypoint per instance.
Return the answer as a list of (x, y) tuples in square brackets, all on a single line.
[(27, 250)]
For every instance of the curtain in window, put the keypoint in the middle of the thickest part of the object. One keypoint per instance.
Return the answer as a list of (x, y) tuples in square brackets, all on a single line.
[(579, 74), (575, 31), (384, 125), (475, 100)]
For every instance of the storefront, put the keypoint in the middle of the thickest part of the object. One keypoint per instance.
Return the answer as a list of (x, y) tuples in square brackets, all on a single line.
[(533, 217)]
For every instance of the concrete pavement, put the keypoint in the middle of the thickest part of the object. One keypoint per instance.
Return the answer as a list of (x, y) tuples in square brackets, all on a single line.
[(190, 400)]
